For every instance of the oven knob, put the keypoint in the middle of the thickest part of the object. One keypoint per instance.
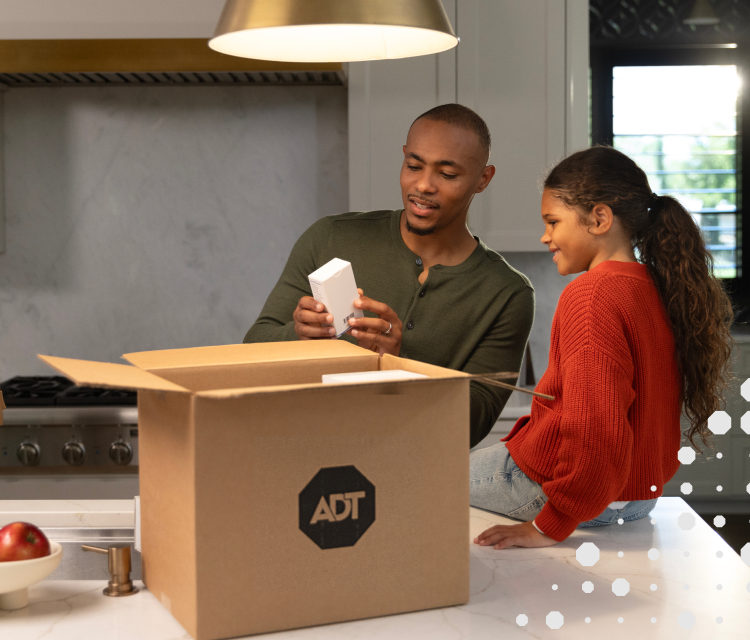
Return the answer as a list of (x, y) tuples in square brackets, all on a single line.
[(29, 454), (121, 453), (74, 453)]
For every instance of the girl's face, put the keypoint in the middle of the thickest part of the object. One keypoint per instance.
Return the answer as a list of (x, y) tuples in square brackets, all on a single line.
[(573, 247)]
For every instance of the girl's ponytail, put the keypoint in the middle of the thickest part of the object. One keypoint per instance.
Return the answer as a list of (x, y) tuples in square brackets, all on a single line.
[(670, 244), (673, 249)]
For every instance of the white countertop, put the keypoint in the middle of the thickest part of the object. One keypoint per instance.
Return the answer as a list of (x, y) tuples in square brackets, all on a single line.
[(504, 584)]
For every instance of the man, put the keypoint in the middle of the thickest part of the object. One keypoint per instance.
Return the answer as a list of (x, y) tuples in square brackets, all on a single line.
[(430, 290)]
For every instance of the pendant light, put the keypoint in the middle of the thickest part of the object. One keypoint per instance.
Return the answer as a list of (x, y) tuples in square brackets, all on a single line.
[(702, 13), (332, 30)]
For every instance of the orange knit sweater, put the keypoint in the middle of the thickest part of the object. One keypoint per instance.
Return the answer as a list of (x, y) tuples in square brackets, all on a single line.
[(613, 431)]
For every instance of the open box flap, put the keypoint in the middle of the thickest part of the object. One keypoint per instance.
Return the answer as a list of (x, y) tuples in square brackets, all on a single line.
[(105, 374), (244, 354)]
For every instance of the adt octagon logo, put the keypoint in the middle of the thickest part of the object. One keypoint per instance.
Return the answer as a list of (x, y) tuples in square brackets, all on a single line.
[(336, 507)]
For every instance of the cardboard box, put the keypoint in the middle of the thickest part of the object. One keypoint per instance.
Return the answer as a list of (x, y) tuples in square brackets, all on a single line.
[(270, 501)]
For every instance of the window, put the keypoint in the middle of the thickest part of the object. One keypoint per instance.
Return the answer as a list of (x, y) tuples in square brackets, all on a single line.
[(677, 113)]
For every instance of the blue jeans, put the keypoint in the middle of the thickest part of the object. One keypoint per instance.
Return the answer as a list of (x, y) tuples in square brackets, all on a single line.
[(497, 484)]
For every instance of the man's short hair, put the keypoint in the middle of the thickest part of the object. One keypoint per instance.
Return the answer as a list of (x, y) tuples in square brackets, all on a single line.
[(461, 116)]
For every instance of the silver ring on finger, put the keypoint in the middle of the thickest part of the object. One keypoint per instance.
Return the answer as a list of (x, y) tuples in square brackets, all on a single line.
[(390, 328)]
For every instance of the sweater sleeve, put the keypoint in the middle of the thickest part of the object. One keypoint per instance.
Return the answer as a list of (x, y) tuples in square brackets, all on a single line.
[(596, 442), (500, 349), (275, 322)]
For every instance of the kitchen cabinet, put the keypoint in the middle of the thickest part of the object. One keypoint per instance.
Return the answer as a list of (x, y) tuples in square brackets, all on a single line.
[(523, 66), (2, 170)]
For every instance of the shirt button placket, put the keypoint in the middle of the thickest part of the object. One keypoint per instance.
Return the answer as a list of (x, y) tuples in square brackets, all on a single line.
[(419, 262), (410, 325)]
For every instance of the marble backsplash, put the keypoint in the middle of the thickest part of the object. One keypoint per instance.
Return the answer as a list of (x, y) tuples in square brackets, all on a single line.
[(152, 218)]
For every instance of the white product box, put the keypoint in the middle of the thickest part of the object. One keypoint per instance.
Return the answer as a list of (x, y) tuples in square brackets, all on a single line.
[(371, 376), (333, 285)]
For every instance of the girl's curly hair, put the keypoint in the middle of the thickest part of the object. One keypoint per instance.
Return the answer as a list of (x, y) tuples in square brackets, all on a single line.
[(668, 241)]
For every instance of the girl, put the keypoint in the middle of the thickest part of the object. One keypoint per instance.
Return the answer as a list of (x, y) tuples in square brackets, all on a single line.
[(640, 336)]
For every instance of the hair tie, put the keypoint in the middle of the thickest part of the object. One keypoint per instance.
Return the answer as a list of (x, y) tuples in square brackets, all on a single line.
[(653, 204)]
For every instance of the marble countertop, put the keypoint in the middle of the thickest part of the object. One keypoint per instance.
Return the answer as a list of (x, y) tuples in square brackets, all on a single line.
[(697, 587)]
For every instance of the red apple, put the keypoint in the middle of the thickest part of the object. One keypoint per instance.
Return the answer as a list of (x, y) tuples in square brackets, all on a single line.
[(22, 541)]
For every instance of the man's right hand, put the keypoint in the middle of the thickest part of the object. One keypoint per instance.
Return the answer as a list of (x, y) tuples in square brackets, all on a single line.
[(309, 317)]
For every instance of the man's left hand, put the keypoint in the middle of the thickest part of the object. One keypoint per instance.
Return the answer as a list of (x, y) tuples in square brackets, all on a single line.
[(513, 535), (371, 332)]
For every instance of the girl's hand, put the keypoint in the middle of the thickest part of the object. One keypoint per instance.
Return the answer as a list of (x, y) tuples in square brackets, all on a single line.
[(513, 535)]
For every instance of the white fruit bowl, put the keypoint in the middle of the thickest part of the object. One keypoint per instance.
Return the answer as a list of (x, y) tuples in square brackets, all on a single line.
[(16, 577)]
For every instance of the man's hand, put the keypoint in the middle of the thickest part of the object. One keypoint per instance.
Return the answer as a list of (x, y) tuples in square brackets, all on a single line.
[(513, 535), (371, 332), (309, 317)]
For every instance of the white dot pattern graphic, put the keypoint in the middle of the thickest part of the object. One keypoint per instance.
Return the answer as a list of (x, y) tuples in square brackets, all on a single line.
[(653, 554), (554, 587), (686, 620), (719, 423), (620, 554), (588, 586), (719, 554), (587, 620), (686, 488), (745, 423), (745, 554), (654, 587), (686, 521), (587, 554), (653, 620), (686, 455), (745, 389), (719, 521), (555, 620), (620, 587), (522, 620), (620, 620)]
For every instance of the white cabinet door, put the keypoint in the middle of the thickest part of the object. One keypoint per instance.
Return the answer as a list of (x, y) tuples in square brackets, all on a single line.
[(523, 66), (385, 97)]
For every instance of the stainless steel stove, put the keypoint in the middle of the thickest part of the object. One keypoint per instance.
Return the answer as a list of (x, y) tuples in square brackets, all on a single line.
[(51, 425)]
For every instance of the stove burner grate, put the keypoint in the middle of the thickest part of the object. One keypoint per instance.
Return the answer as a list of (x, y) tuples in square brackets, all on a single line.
[(34, 391)]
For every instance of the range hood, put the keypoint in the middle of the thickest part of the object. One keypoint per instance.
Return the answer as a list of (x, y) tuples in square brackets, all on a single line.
[(167, 61)]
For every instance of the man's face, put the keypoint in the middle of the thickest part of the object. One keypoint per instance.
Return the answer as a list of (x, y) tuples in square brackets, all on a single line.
[(444, 166)]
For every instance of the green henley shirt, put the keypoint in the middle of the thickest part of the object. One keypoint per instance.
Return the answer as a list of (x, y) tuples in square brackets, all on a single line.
[(474, 317)]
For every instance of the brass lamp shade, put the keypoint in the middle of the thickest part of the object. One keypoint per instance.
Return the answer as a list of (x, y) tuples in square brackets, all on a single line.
[(332, 30)]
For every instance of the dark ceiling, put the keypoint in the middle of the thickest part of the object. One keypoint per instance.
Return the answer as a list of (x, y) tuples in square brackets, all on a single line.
[(657, 22)]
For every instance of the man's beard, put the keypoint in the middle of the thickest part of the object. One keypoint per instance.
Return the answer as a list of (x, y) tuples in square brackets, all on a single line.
[(417, 231)]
